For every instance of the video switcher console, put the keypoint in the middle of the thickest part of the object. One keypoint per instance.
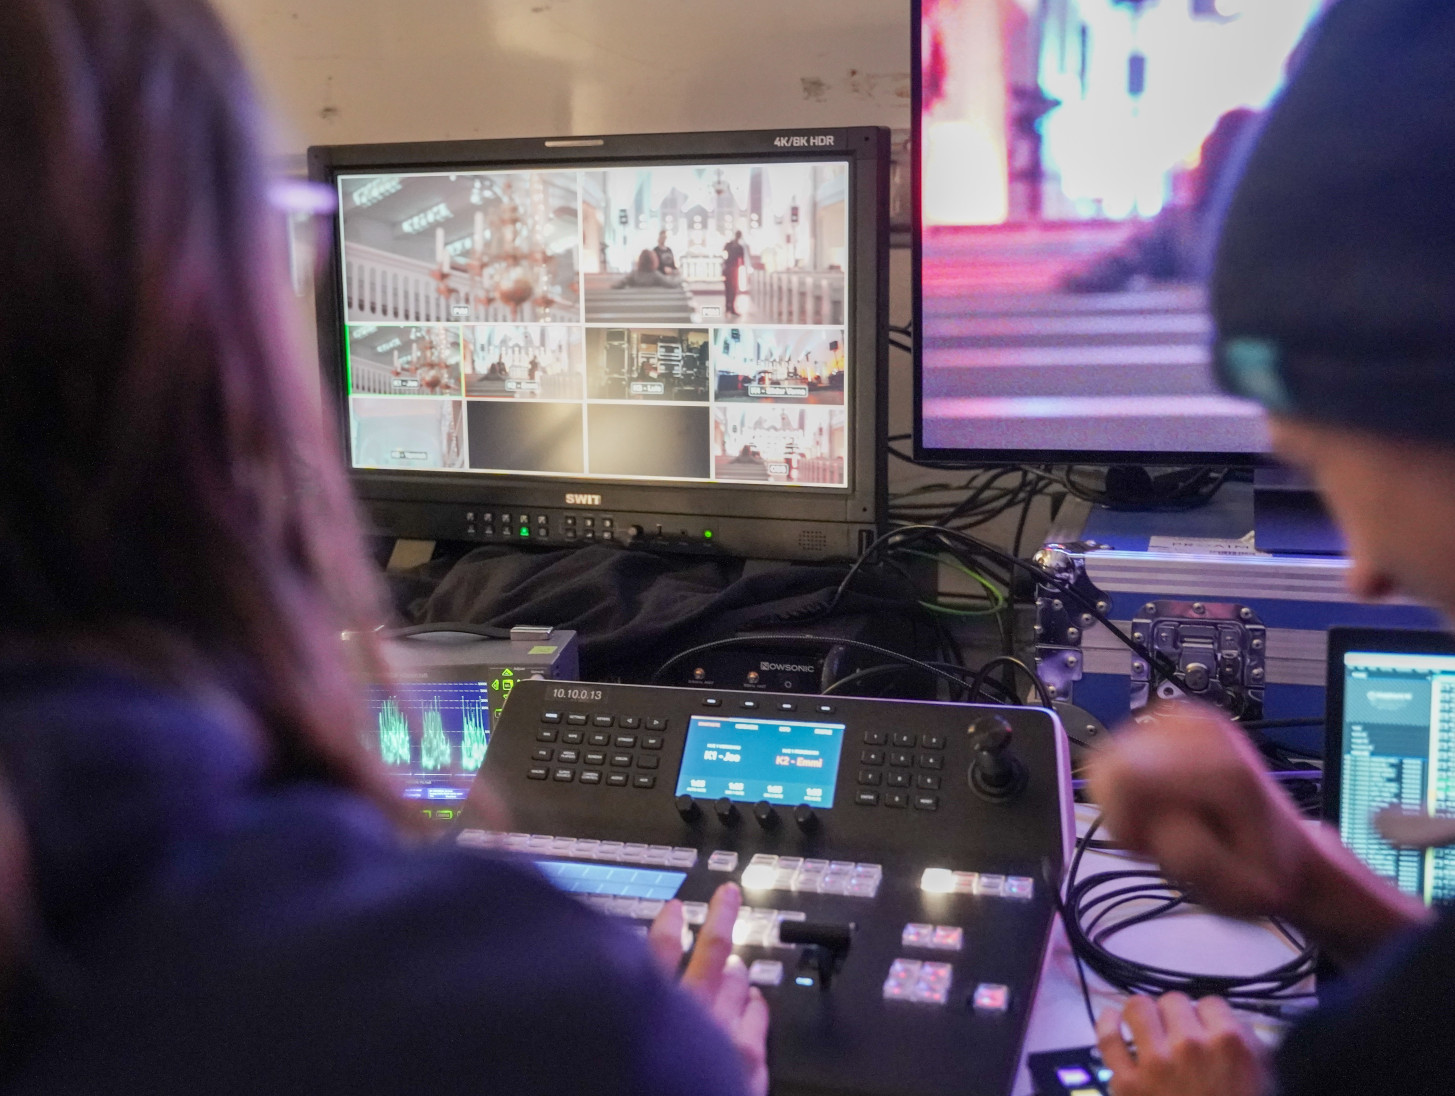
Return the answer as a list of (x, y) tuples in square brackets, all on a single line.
[(897, 858)]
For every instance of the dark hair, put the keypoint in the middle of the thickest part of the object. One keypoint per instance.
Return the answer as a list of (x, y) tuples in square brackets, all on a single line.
[(647, 261), (171, 499)]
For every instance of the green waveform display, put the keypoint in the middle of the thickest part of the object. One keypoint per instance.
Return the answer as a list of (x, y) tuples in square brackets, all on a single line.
[(434, 747), (473, 738), (393, 734)]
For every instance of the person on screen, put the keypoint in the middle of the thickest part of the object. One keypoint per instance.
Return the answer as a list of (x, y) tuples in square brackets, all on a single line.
[(734, 255), (1331, 298), (666, 261), (1174, 246), (205, 885), (646, 275)]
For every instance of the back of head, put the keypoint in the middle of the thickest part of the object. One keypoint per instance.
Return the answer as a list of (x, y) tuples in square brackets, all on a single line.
[(170, 499), (1335, 275)]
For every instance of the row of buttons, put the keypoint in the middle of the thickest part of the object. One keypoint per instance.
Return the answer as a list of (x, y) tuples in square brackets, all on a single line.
[(596, 757), (582, 848), (926, 983), (901, 759), (794, 873), (904, 740), (782, 705), (923, 801), (944, 881), (755, 927), (603, 719), (871, 778), (593, 777), (933, 937), (601, 738)]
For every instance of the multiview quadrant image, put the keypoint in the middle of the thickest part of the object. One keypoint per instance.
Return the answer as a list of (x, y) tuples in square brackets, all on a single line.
[(524, 362), (648, 363), (709, 244), (472, 247), (404, 360), (414, 433), (775, 444), (779, 365)]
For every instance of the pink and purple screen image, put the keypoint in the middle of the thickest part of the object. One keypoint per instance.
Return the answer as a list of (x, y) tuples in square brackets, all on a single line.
[(1072, 157)]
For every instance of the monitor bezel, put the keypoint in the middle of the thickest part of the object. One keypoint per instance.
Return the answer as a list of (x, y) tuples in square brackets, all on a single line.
[(989, 456), (866, 149)]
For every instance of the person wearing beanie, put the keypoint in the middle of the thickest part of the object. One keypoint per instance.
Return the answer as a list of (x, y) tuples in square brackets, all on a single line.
[(1333, 298)]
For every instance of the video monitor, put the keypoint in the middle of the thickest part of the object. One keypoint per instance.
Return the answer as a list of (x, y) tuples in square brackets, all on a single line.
[(680, 333), (1069, 161)]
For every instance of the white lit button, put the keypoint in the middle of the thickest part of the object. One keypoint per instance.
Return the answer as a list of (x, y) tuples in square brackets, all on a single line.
[(917, 936), (766, 972), (903, 974), (948, 938), (694, 913), (993, 885), (761, 873), (1020, 886), (991, 998), (722, 861), (763, 860), (937, 881)]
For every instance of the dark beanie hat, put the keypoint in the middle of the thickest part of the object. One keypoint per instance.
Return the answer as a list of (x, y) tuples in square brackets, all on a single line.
[(1334, 284)]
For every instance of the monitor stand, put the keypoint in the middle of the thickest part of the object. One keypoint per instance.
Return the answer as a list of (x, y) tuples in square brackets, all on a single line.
[(1289, 518)]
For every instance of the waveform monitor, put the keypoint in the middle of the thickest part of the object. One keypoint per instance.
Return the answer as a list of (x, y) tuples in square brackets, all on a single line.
[(431, 736), (667, 339), (1391, 742)]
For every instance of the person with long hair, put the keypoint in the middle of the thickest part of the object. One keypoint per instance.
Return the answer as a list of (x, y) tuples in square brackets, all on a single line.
[(205, 883)]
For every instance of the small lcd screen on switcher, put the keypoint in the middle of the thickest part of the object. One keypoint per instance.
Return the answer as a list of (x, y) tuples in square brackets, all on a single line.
[(773, 760)]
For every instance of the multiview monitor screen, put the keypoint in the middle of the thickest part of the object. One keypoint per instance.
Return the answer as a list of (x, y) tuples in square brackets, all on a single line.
[(669, 322), (1070, 156)]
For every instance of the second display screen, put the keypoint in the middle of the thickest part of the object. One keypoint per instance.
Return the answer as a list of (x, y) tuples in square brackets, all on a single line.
[(752, 760)]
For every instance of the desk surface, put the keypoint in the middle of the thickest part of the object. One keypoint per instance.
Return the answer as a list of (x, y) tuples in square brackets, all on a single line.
[(1182, 941)]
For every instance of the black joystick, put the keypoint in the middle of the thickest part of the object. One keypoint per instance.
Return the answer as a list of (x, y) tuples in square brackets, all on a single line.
[(687, 807), (727, 811), (806, 819), (765, 814), (995, 772), (825, 946)]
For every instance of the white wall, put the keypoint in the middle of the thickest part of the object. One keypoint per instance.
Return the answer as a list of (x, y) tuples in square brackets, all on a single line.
[(395, 70)]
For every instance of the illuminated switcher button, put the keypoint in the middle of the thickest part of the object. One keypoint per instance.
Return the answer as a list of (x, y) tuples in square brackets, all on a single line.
[(948, 938), (658, 855), (965, 882), (722, 860), (1019, 886), (933, 985), (937, 881), (760, 873), (766, 972), (917, 936), (682, 858), (992, 885), (990, 997)]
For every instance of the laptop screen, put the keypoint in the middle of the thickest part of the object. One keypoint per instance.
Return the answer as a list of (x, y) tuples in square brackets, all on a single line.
[(1395, 746)]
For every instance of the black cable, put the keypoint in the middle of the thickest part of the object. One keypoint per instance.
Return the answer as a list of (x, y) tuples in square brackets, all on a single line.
[(1014, 663), (1087, 912)]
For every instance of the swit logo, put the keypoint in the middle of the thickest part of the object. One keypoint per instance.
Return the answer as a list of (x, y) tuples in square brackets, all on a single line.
[(820, 140), (583, 500)]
